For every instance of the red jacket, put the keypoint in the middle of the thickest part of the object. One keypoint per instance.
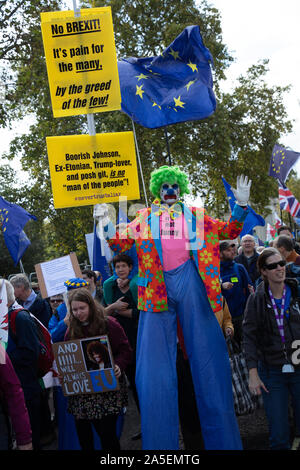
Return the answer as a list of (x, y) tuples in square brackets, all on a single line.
[(13, 395)]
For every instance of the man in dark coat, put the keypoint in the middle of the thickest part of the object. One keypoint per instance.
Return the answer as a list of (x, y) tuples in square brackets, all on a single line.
[(236, 286), (30, 300), (248, 257)]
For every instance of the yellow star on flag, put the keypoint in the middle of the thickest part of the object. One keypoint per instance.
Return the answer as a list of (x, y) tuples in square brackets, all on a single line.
[(155, 104), (139, 91), (174, 54), (178, 102), (153, 73), (193, 66), (141, 76), (189, 84)]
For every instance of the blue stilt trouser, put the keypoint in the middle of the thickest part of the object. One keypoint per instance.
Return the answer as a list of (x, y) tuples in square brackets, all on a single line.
[(156, 377)]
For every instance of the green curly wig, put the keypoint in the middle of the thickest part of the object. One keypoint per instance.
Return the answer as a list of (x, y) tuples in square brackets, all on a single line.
[(168, 174)]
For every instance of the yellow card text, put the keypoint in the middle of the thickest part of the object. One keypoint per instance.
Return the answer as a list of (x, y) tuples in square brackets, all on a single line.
[(81, 61), (87, 170)]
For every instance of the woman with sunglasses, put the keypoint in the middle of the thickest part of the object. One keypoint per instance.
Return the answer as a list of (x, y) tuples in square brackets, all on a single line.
[(270, 328)]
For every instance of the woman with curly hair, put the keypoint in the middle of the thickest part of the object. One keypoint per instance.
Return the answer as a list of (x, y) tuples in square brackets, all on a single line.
[(101, 410), (98, 353)]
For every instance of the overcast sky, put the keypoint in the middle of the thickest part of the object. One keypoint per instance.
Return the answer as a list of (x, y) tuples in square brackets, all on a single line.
[(254, 30), (266, 29)]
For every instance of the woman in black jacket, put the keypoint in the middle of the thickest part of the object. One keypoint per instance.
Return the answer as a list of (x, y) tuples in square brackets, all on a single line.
[(271, 334)]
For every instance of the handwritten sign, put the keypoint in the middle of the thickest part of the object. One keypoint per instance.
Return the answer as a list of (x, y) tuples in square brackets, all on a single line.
[(87, 170), (52, 274), (86, 366), (81, 61)]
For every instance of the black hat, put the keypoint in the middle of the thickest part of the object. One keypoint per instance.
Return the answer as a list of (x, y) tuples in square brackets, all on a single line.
[(226, 245)]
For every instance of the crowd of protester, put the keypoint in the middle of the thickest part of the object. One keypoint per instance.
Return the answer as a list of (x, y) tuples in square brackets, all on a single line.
[(260, 288)]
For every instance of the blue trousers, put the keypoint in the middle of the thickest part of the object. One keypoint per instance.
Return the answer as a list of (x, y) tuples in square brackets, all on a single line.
[(276, 403), (156, 376)]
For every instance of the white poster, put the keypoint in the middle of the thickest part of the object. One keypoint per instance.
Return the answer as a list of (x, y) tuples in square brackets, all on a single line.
[(54, 273)]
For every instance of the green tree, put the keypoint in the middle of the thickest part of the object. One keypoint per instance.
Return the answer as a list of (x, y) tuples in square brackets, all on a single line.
[(238, 137), (248, 123)]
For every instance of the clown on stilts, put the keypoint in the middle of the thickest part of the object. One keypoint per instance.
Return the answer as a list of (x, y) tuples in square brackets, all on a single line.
[(178, 285)]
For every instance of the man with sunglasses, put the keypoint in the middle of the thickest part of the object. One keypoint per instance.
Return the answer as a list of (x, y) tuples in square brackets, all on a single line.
[(271, 329)]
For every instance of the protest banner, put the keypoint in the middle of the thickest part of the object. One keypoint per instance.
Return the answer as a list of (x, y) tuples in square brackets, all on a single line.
[(86, 365), (87, 170), (52, 274), (81, 61)]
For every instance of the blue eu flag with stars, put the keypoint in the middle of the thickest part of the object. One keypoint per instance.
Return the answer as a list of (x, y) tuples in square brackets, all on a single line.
[(176, 86), (252, 219), (13, 218), (101, 256), (282, 161)]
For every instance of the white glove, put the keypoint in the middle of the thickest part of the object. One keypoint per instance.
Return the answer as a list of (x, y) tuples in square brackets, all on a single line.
[(242, 191), (100, 214)]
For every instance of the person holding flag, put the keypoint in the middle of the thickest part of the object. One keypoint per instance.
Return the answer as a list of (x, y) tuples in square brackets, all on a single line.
[(252, 219)]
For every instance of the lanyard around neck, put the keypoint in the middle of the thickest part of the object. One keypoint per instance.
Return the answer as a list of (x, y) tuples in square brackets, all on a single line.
[(279, 315)]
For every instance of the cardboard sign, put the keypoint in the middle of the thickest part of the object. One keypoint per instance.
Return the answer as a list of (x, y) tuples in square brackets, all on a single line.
[(81, 61), (52, 274), (86, 366), (87, 170)]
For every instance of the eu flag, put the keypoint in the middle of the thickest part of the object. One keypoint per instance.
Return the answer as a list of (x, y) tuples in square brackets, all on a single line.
[(101, 256), (252, 219), (12, 220), (176, 86), (282, 161)]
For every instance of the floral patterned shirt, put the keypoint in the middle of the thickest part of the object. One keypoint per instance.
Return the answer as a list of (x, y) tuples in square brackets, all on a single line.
[(204, 236)]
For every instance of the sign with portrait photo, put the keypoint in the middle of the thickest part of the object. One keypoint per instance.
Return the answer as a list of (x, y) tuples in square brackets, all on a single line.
[(86, 366)]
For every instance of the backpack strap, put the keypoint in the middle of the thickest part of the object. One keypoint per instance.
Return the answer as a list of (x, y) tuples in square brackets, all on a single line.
[(12, 319)]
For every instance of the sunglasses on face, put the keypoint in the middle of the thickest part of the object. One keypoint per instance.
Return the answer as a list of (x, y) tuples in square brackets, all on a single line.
[(56, 301), (272, 266)]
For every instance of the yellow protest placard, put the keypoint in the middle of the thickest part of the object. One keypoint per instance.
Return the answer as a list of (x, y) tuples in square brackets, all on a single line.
[(81, 61), (87, 170)]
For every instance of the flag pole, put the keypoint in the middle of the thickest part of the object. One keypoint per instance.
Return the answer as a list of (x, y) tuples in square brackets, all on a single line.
[(140, 164), (22, 267), (290, 220), (168, 145), (89, 116)]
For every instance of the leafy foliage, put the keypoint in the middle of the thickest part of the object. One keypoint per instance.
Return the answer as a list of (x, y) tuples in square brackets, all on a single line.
[(237, 139)]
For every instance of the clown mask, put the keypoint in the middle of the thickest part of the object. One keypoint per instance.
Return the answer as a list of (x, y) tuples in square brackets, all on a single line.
[(169, 193)]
